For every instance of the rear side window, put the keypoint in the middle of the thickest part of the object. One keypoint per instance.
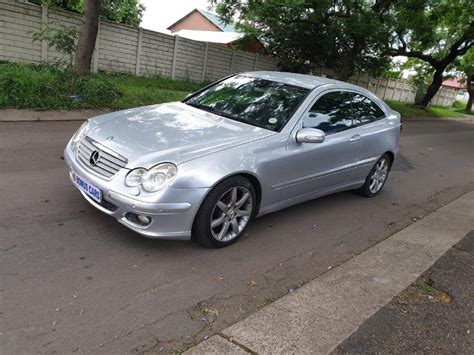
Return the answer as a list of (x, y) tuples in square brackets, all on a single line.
[(365, 110), (331, 113)]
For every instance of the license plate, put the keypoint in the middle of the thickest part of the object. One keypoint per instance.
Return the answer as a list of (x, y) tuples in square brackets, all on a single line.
[(84, 185)]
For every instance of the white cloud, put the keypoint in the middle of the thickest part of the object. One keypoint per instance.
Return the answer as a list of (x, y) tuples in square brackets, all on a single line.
[(159, 14)]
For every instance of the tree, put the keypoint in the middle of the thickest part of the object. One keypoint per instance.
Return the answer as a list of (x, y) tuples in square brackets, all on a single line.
[(466, 66), (433, 31), (87, 37), (346, 35), (63, 39), (127, 12)]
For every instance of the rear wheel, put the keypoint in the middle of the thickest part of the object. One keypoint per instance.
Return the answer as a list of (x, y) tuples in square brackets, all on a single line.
[(225, 213), (377, 177)]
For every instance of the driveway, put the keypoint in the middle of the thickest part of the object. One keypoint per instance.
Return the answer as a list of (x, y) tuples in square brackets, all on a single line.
[(74, 280)]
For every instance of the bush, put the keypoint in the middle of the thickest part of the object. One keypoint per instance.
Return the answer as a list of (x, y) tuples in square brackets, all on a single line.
[(459, 105)]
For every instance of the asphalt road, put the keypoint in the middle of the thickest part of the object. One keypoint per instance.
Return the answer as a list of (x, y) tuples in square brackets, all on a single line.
[(74, 280)]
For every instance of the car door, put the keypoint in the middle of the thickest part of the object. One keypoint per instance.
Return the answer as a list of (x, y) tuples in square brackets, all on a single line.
[(373, 129), (312, 167)]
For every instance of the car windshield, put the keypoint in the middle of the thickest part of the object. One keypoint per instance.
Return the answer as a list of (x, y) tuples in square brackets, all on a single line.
[(263, 103)]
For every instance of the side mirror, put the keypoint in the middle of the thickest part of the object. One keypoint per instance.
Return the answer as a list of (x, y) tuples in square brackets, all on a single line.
[(310, 135)]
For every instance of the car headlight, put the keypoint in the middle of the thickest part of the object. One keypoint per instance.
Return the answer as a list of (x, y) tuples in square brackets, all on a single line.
[(154, 179), (80, 133)]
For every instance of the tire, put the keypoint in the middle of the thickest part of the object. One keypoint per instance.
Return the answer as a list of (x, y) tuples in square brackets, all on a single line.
[(368, 190), (221, 207)]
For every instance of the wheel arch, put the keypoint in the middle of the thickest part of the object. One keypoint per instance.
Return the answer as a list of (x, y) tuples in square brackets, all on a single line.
[(391, 156), (254, 180)]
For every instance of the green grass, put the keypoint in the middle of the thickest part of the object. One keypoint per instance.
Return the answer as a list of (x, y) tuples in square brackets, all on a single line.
[(43, 87), (461, 107), (408, 110), (424, 287)]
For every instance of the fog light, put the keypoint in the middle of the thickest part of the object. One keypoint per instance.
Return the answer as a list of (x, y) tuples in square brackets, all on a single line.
[(144, 219), (138, 219)]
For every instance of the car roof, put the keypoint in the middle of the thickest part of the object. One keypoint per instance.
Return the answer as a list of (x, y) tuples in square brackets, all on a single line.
[(311, 82), (302, 80)]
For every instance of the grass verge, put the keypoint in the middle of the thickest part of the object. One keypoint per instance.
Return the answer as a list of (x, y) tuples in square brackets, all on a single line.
[(408, 110), (460, 107), (43, 87)]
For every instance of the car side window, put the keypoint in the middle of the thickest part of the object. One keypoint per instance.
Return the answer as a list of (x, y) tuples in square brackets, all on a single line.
[(331, 113), (365, 110)]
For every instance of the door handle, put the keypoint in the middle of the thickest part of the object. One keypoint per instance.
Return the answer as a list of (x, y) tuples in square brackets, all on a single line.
[(355, 138)]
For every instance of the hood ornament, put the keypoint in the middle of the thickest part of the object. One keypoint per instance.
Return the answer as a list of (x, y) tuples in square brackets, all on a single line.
[(94, 158)]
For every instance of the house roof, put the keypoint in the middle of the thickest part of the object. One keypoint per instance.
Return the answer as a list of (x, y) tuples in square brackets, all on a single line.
[(213, 18), (216, 20), (453, 83), (209, 36)]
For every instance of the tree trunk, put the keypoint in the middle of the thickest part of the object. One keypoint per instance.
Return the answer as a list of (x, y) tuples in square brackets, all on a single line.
[(87, 37), (470, 91), (433, 88), (348, 67)]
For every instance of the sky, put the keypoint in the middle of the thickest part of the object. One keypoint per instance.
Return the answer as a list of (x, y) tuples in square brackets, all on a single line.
[(159, 14)]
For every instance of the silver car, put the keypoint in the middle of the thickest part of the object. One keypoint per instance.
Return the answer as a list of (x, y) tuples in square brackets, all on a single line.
[(245, 146)]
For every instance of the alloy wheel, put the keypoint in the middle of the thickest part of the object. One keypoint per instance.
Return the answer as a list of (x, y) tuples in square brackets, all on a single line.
[(231, 213), (379, 176)]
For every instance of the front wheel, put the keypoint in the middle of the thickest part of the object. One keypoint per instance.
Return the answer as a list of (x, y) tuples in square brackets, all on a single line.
[(225, 213), (377, 177)]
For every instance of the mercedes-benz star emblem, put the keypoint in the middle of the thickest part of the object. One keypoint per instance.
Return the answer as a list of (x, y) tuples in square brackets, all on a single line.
[(94, 158)]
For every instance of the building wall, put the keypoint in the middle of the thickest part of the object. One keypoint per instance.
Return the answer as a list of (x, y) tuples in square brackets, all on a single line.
[(195, 21)]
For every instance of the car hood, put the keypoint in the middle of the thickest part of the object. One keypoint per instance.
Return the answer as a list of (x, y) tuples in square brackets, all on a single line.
[(173, 132)]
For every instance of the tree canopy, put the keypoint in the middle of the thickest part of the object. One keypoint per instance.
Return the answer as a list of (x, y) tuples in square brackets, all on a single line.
[(345, 35), (358, 35), (433, 31), (127, 12)]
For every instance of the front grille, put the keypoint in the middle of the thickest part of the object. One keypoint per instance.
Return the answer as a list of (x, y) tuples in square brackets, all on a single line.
[(108, 163)]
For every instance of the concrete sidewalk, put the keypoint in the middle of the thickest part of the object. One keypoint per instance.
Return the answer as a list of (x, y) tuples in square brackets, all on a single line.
[(320, 315)]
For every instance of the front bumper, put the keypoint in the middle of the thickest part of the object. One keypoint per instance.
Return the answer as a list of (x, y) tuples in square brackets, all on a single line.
[(171, 211)]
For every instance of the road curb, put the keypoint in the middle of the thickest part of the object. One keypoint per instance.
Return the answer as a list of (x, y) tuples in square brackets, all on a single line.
[(14, 115), (323, 313)]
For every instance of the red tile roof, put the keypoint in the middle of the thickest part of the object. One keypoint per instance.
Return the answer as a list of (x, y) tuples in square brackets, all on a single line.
[(454, 83)]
